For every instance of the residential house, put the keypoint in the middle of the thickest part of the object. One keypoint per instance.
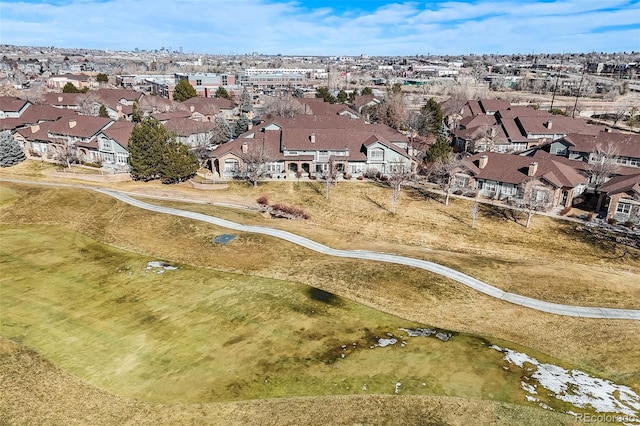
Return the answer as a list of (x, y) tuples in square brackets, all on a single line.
[(75, 133), (35, 114), (582, 147), (190, 132), (206, 109), (109, 148), (81, 81), (317, 106), (118, 102), (313, 144), (11, 107), (507, 177), (620, 198)]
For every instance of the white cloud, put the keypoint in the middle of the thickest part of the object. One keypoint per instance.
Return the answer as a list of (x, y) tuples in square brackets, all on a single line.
[(397, 28)]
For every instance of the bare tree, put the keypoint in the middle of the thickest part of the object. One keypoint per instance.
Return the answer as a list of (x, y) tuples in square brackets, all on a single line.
[(444, 170), (604, 163), (89, 104), (414, 123), (285, 106), (398, 175), (534, 197), (330, 177), (66, 155), (475, 211), (255, 159)]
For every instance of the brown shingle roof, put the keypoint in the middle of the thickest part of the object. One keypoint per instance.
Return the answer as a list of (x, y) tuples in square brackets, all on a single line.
[(63, 99), (493, 105), (626, 145), (120, 131), (619, 184), (514, 169), (538, 125), (187, 127), (85, 126), (12, 104)]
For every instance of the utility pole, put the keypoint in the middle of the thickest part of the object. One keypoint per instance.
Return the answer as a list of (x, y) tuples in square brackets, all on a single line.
[(575, 105), (555, 87)]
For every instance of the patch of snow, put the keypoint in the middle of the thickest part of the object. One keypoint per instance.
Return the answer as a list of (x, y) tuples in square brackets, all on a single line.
[(397, 390), (364, 387), (529, 388), (386, 342), (418, 332), (531, 398), (576, 387)]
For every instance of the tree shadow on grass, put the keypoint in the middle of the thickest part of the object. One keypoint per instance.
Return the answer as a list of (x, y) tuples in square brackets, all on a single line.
[(499, 213), (423, 194), (375, 202), (316, 187), (618, 245)]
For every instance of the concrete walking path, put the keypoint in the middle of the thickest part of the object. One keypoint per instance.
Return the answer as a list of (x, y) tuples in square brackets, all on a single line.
[(482, 287), (539, 305)]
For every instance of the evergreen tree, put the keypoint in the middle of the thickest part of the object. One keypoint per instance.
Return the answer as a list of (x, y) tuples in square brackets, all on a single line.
[(246, 103), (102, 78), (433, 116), (136, 112), (222, 132), (439, 150), (178, 163), (146, 147), (70, 88), (103, 112), (366, 91), (242, 125), (352, 97), (222, 93), (11, 152), (342, 96), (324, 93), (183, 91)]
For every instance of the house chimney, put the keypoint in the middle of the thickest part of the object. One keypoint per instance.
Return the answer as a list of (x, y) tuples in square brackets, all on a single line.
[(192, 108), (245, 148), (533, 168), (60, 98), (482, 163), (313, 138), (607, 129), (72, 124), (548, 124), (35, 128)]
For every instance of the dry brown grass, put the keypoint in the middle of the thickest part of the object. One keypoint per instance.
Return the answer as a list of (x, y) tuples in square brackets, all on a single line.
[(603, 347), (34, 391)]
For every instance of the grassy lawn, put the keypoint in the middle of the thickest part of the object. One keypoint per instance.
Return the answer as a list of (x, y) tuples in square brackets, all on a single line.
[(199, 335), (241, 294), (553, 260), (36, 392)]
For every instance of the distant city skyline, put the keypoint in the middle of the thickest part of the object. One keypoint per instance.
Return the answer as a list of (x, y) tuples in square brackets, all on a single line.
[(326, 27)]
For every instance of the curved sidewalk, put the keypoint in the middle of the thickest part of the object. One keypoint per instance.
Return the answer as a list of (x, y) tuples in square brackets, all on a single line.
[(539, 305)]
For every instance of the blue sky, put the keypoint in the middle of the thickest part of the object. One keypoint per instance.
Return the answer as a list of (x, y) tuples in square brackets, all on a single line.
[(323, 27)]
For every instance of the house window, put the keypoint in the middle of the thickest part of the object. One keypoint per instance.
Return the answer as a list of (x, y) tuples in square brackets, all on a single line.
[(462, 181), (377, 155), (198, 82), (230, 167), (623, 208), (508, 190), (490, 187), (561, 150)]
